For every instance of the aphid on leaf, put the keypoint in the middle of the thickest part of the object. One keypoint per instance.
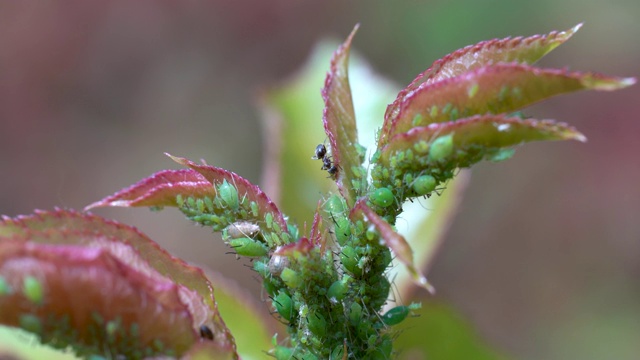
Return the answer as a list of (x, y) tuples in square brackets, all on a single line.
[(206, 333), (242, 229), (277, 263)]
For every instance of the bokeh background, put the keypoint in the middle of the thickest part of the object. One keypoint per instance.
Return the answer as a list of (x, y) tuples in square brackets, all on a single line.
[(544, 256)]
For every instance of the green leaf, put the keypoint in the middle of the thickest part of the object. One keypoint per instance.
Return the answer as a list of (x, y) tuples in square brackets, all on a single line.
[(439, 332), (340, 121), (97, 284), (498, 88), (521, 50)]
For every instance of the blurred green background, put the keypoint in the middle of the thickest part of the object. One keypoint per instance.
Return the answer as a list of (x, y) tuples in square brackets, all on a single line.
[(544, 256)]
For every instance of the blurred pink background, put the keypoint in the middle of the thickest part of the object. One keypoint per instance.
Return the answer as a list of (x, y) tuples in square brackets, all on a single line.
[(544, 256)]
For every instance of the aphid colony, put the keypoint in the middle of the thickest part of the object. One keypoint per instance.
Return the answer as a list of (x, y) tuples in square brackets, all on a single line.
[(327, 162)]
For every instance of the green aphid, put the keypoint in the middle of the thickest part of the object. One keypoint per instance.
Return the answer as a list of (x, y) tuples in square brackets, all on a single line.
[(408, 155), (375, 157), (261, 268), (355, 314), (421, 147), (417, 120), (293, 230), (191, 202), (112, 328), (248, 247), (395, 316), (268, 218), (370, 234), (200, 205), (317, 323), (342, 227), (441, 148), (337, 353), (334, 205), (284, 305), (408, 178), (357, 171), (276, 227), (349, 259), (179, 200), (291, 278), (33, 290), (208, 202), (275, 239), (447, 108), (229, 195), (254, 209), (424, 184), (283, 353), (434, 111), (338, 289), (382, 197)]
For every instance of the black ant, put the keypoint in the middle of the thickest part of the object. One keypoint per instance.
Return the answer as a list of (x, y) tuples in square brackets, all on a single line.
[(327, 163), (206, 333), (321, 151)]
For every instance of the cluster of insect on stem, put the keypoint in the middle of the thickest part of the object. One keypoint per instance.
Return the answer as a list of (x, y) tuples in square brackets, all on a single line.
[(330, 296)]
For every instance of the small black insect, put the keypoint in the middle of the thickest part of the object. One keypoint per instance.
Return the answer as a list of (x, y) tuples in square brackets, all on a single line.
[(206, 333), (321, 151), (326, 163), (333, 170)]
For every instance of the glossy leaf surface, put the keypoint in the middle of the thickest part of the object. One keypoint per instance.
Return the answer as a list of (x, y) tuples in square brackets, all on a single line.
[(521, 50), (482, 133), (499, 88), (97, 279), (160, 189), (340, 121)]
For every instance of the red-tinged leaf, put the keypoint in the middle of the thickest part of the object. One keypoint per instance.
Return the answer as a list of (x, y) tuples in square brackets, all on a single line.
[(340, 121), (392, 239), (64, 228), (160, 189), (301, 247), (246, 316), (498, 88), (482, 133), (522, 50), (317, 229), (92, 299), (245, 189)]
